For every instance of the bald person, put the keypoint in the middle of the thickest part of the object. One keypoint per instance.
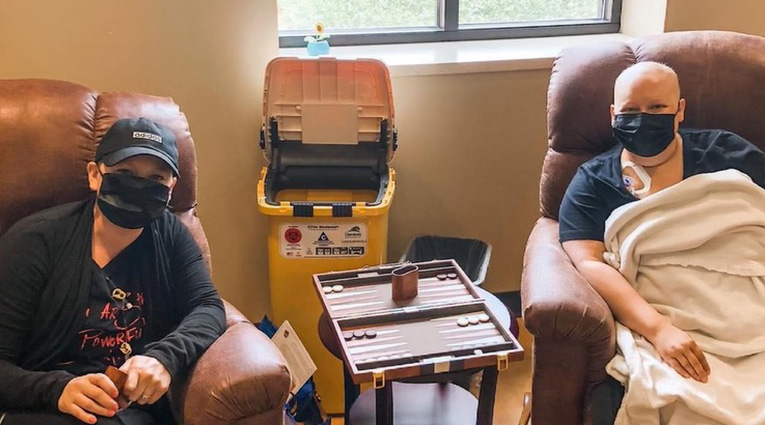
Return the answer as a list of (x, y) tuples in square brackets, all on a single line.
[(652, 153)]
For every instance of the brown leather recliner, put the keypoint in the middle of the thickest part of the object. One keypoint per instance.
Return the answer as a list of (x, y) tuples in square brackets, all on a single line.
[(49, 131), (722, 78)]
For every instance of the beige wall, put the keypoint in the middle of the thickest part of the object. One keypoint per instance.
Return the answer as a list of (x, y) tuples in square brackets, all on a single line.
[(643, 17), (210, 57), (471, 151), (747, 16), (471, 144)]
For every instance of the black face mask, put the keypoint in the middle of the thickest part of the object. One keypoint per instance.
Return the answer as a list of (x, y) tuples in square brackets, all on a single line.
[(132, 202), (644, 134)]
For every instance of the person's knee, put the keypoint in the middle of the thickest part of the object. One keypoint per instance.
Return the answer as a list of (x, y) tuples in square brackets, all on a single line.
[(605, 402)]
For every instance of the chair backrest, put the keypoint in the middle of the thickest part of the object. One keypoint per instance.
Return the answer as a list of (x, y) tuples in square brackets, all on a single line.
[(722, 78), (49, 131)]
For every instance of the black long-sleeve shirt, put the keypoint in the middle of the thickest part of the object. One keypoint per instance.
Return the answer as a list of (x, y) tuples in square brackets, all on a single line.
[(46, 278)]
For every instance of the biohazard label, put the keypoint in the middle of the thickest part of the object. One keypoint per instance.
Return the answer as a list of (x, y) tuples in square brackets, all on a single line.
[(323, 240)]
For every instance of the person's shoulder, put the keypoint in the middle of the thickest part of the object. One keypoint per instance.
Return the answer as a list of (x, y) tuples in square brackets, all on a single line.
[(49, 220), (167, 222), (591, 177), (169, 226), (603, 159), (707, 138), (600, 165)]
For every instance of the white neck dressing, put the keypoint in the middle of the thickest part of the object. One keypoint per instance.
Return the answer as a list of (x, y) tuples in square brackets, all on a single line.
[(641, 174)]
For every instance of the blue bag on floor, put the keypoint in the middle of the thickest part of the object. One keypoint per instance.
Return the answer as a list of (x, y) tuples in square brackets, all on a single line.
[(305, 406)]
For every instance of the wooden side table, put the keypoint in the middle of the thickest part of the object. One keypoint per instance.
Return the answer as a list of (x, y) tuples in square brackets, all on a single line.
[(352, 391), (425, 404), (442, 332)]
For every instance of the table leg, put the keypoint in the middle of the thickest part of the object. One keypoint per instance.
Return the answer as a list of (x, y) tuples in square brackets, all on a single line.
[(384, 404), (486, 396), (352, 392)]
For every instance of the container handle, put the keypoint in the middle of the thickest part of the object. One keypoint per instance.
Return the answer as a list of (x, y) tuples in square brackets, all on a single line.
[(305, 209)]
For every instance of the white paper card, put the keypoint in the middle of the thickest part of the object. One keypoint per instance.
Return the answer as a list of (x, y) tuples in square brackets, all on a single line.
[(299, 362)]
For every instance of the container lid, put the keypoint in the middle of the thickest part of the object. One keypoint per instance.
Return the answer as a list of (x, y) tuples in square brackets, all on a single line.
[(327, 112)]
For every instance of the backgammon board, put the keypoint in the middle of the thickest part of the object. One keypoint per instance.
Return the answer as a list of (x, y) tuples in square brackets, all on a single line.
[(448, 327)]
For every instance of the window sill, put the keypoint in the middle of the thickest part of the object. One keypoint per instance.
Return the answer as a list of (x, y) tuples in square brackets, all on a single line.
[(464, 57)]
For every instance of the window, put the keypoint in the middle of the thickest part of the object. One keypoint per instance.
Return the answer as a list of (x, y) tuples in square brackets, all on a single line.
[(354, 22)]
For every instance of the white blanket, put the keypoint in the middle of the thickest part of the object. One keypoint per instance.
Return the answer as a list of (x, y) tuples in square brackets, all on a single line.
[(696, 253)]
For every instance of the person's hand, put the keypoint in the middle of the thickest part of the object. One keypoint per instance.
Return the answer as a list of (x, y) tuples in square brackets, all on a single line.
[(680, 351), (147, 380), (89, 395)]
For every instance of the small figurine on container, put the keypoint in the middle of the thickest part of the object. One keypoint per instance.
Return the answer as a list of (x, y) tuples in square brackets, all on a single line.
[(318, 44)]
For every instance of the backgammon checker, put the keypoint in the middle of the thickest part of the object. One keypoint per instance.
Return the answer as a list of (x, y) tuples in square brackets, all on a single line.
[(446, 327)]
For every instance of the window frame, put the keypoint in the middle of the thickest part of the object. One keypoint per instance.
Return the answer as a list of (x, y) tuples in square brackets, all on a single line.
[(448, 29)]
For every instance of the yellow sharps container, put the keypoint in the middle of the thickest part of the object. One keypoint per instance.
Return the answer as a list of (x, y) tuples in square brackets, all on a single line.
[(328, 135)]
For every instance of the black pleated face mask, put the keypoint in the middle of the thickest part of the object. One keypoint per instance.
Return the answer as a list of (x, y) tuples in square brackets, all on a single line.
[(644, 134), (132, 202)]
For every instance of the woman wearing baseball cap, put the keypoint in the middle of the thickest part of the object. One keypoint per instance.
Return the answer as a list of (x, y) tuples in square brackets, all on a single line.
[(116, 280)]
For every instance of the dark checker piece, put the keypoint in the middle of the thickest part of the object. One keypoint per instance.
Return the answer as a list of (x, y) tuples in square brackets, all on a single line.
[(452, 275), (358, 334), (347, 336), (442, 276), (371, 334)]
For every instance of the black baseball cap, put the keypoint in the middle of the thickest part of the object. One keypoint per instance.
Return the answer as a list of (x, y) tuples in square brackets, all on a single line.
[(129, 137)]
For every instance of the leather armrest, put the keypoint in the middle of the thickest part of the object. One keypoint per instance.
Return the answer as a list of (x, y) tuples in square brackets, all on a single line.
[(558, 302), (573, 328), (241, 375)]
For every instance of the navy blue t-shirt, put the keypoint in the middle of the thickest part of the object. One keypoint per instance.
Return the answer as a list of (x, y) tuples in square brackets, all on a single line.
[(597, 188)]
